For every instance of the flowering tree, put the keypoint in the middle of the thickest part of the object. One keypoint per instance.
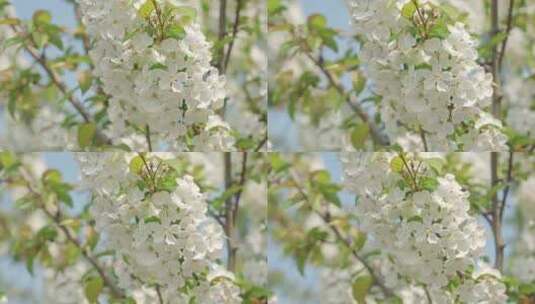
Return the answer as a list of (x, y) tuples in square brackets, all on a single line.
[(159, 228), (415, 232), (151, 75), (421, 75)]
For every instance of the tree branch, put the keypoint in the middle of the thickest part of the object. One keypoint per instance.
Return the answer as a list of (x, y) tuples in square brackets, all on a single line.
[(147, 137), (234, 34), (243, 176), (507, 32), (56, 218), (499, 243), (377, 137), (42, 61), (261, 143), (159, 293), (229, 213), (222, 33), (326, 218)]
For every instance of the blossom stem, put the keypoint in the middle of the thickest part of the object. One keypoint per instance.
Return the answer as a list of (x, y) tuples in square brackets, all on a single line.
[(147, 136)]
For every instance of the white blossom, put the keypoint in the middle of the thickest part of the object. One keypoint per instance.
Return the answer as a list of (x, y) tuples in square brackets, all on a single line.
[(428, 85)]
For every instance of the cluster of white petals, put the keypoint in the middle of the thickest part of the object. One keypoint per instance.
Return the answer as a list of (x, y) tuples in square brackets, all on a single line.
[(429, 235), (153, 80), (160, 238), (429, 84)]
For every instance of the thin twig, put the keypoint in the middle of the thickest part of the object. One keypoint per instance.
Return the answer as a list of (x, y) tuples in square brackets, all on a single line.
[(41, 59), (377, 280), (507, 32), (496, 100), (159, 293), (222, 33), (243, 176), (377, 137), (499, 242), (234, 34), (229, 213), (261, 144), (508, 186), (424, 140), (147, 137), (56, 218)]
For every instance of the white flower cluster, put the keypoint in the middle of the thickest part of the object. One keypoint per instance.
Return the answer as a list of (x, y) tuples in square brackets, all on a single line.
[(160, 238), (165, 83), (427, 84), (429, 235)]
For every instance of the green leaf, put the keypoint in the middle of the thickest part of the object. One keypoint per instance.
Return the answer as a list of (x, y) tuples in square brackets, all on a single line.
[(175, 31), (396, 164), (47, 233), (41, 17), (359, 136), (152, 219), (84, 81), (436, 164), (92, 288), (158, 66), (429, 183), (275, 7), (187, 14), (9, 21), (12, 41), (316, 22), (146, 9), (439, 30), (361, 286), (359, 82), (136, 165), (7, 160), (51, 176), (408, 10), (86, 134)]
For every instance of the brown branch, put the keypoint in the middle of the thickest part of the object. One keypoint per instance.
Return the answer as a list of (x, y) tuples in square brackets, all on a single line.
[(377, 137), (234, 34), (424, 140), (508, 186), (159, 293), (56, 218), (42, 61), (499, 243), (326, 218), (241, 184), (147, 137), (229, 213), (496, 100), (507, 31), (222, 33), (262, 143)]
